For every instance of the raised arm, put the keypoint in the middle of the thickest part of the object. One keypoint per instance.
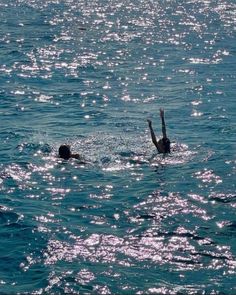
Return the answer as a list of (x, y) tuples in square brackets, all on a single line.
[(163, 125), (154, 140)]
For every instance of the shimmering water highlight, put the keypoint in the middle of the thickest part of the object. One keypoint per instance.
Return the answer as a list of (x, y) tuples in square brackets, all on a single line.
[(129, 221)]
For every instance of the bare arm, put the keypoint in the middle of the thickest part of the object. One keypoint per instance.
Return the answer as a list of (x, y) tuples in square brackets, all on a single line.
[(77, 156), (154, 140), (163, 123)]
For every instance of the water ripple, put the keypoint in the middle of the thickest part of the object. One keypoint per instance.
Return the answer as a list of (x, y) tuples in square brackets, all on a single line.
[(130, 220)]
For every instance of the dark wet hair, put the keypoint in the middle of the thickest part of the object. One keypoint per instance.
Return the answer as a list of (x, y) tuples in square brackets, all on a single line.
[(166, 143), (64, 151)]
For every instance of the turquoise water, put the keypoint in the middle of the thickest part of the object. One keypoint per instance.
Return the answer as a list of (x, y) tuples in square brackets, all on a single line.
[(130, 221)]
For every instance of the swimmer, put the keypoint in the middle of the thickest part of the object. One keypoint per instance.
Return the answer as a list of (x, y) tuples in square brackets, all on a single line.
[(162, 145), (65, 153)]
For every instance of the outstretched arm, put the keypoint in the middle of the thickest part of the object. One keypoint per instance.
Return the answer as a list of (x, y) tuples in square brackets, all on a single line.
[(154, 140), (163, 123)]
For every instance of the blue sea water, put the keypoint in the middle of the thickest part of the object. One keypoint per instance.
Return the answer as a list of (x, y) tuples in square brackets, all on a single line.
[(130, 221)]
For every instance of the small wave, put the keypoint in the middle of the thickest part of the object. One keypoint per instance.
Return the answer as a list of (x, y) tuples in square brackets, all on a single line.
[(180, 154), (222, 198), (27, 148), (8, 216)]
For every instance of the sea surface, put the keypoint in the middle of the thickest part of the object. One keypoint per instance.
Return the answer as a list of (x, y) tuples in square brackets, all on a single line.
[(129, 221)]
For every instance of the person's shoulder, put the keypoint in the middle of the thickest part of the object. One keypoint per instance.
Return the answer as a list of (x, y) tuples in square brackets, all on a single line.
[(76, 156)]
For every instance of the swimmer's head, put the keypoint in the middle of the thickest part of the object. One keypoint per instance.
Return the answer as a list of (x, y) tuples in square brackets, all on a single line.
[(166, 143), (64, 151)]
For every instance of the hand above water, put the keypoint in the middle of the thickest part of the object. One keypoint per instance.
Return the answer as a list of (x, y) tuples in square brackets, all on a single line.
[(161, 113), (149, 122)]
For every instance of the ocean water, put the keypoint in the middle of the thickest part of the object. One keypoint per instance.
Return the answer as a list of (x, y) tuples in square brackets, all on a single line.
[(129, 221)]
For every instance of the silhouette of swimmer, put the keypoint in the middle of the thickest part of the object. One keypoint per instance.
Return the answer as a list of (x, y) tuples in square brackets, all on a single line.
[(65, 153), (162, 145)]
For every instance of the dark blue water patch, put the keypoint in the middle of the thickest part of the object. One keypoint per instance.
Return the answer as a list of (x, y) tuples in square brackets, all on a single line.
[(8, 217), (12, 53), (24, 243), (27, 148), (226, 232), (231, 226), (33, 279)]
